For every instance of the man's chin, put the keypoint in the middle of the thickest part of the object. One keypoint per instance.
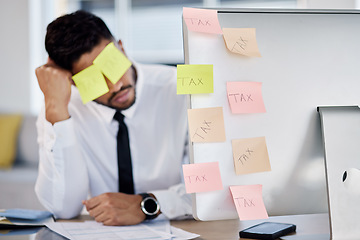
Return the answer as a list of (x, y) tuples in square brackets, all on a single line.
[(119, 107)]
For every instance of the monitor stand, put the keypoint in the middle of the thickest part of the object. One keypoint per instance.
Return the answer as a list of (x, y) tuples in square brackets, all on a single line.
[(341, 138)]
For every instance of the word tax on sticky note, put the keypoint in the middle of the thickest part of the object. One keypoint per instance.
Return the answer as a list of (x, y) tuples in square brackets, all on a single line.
[(206, 125), (202, 20), (250, 155), (249, 202), (241, 41), (195, 79), (202, 177), (245, 97)]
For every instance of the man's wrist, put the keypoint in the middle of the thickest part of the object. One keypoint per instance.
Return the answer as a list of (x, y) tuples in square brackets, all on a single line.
[(55, 113), (149, 206)]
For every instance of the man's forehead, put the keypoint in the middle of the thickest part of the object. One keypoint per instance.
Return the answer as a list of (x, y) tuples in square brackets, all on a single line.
[(86, 59)]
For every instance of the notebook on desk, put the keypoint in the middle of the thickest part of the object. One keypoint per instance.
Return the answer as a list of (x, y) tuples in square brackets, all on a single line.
[(23, 218)]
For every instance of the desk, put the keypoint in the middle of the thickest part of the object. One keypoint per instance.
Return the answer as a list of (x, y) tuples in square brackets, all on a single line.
[(308, 227)]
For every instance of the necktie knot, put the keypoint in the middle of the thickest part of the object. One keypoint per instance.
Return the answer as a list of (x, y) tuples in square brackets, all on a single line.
[(119, 117)]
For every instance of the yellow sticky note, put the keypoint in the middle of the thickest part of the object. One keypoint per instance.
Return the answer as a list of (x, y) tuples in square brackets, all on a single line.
[(206, 125), (193, 79), (241, 41), (90, 83), (250, 155), (112, 62)]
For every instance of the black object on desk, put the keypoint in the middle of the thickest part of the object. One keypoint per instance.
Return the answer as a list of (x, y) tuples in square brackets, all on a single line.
[(268, 230)]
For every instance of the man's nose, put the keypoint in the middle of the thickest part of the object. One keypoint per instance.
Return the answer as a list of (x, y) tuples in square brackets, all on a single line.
[(114, 87)]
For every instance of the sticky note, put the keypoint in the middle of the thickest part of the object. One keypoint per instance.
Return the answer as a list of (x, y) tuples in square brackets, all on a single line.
[(241, 41), (250, 155), (112, 63), (90, 83), (206, 124), (249, 202), (202, 177), (245, 97), (202, 20), (194, 79)]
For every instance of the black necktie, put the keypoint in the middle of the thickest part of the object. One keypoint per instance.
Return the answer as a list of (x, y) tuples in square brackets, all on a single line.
[(126, 182)]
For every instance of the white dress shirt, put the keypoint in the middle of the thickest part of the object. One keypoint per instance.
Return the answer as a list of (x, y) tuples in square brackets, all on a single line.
[(78, 156)]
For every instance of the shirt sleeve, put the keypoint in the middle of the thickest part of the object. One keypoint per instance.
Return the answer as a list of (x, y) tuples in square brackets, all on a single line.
[(174, 202), (62, 181)]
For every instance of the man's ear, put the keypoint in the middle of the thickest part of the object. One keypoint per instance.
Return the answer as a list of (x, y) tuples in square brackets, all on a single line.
[(121, 46), (50, 61)]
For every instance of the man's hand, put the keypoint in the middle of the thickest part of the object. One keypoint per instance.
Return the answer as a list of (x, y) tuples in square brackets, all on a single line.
[(115, 209), (55, 83)]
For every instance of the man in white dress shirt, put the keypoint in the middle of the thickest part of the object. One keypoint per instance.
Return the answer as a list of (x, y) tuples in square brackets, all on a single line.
[(78, 142)]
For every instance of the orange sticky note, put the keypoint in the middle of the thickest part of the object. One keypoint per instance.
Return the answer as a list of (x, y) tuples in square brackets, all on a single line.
[(241, 41), (202, 177), (202, 20), (91, 83), (245, 97), (250, 155), (249, 202), (206, 125)]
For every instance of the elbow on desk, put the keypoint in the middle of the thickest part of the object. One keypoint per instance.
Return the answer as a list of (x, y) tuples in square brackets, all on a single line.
[(60, 210), (64, 214)]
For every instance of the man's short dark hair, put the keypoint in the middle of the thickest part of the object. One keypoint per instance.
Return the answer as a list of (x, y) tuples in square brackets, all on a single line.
[(71, 35)]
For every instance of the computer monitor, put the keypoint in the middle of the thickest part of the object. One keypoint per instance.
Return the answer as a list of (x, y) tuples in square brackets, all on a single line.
[(308, 59)]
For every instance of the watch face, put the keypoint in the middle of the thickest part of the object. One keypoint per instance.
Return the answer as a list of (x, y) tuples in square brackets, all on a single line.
[(150, 205)]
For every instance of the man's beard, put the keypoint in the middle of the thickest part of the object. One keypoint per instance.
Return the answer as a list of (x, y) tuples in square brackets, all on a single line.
[(114, 94)]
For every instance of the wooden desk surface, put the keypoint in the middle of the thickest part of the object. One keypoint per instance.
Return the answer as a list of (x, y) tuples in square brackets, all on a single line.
[(309, 226)]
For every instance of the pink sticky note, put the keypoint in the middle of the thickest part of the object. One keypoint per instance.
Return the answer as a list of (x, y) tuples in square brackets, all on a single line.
[(202, 20), (249, 202), (202, 177), (245, 97)]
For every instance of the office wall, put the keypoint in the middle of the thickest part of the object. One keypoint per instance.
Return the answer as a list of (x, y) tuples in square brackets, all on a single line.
[(328, 4), (14, 56), (21, 49)]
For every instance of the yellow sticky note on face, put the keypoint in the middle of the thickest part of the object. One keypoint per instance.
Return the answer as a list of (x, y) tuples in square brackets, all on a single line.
[(193, 79), (241, 41), (112, 63), (90, 83)]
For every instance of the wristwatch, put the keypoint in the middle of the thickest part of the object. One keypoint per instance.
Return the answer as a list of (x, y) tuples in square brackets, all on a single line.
[(150, 206)]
